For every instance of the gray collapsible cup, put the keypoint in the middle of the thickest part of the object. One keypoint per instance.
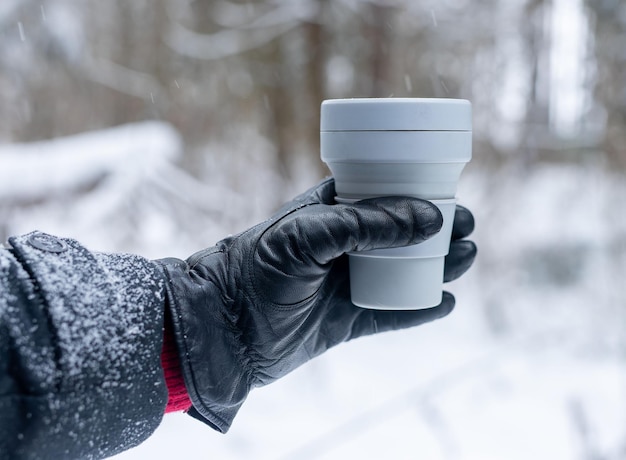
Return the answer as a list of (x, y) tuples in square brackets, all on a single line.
[(398, 146)]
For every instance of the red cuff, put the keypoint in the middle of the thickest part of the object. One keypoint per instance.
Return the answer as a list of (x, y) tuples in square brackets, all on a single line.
[(178, 399)]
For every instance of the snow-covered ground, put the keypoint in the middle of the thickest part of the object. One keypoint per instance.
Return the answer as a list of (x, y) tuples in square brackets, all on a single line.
[(530, 365)]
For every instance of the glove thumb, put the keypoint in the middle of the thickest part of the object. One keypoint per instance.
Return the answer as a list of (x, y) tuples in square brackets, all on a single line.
[(320, 233)]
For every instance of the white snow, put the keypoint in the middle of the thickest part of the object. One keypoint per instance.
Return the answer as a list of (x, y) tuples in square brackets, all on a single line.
[(529, 365), (35, 170)]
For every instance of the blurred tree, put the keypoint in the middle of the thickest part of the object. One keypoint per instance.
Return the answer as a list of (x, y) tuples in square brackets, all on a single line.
[(378, 29), (608, 19), (315, 74), (536, 43)]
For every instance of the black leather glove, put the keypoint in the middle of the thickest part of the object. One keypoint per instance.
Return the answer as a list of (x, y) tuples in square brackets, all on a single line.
[(261, 303)]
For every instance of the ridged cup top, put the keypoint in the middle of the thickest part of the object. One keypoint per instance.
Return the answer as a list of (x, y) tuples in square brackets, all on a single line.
[(396, 114)]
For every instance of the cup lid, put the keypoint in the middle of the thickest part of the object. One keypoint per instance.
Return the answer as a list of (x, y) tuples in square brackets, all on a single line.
[(396, 114)]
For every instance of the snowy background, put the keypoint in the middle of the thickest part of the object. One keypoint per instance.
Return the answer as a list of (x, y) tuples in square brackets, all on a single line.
[(531, 364)]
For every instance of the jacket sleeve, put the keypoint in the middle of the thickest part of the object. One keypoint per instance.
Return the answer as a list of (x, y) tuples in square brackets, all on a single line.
[(80, 343)]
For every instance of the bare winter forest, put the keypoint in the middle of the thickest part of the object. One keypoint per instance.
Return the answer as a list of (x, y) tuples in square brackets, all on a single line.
[(159, 126), (546, 77)]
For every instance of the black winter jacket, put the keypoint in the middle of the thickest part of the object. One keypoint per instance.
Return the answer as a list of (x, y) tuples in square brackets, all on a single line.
[(80, 344)]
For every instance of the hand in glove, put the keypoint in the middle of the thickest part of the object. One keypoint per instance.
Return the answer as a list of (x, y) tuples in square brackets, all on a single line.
[(261, 303)]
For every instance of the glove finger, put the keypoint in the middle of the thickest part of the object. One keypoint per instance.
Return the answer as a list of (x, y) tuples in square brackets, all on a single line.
[(459, 259), (463, 224), (323, 233), (374, 321)]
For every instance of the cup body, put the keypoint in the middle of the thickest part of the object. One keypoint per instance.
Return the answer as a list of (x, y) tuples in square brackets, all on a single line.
[(408, 147)]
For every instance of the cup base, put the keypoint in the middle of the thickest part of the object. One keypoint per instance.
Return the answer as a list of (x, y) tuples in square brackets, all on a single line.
[(396, 284)]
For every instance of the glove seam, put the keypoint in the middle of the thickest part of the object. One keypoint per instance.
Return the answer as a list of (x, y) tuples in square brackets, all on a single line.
[(253, 369), (231, 305)]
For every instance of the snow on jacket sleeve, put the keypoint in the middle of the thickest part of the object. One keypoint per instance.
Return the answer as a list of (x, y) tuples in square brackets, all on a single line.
[(80, 343)]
